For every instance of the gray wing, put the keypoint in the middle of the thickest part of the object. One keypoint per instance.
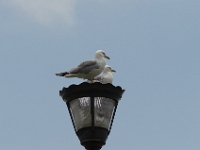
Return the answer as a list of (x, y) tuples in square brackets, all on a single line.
[(99, 78), (85, 67)]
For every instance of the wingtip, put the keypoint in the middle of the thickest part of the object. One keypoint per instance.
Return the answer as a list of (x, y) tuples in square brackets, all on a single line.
[(62, 74), (57, 74)]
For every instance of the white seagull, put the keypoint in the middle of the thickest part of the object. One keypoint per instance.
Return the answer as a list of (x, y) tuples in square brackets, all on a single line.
[(89, 68), (105, 77)]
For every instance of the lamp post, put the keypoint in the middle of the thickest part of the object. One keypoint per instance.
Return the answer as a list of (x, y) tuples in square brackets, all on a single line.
[(92, 109)]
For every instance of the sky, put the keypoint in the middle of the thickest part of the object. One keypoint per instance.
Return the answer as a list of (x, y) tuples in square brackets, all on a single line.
[(153, 46)]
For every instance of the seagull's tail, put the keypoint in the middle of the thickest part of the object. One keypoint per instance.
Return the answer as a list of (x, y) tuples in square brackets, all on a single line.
[(62, 74)]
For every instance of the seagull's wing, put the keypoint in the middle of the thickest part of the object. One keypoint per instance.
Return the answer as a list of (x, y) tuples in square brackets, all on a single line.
[(104, 78), (99, 78), (85, 67)]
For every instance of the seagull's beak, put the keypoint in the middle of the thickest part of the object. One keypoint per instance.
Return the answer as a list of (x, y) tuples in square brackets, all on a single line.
[(113, 70), (106, 56)]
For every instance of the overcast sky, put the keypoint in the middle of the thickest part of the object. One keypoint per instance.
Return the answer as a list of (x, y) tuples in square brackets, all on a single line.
[(154, 46)]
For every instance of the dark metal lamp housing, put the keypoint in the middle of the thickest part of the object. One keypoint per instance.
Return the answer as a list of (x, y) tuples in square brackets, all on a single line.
[(92, 109)]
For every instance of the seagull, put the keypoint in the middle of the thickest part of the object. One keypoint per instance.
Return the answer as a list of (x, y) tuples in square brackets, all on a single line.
[(105, 77), (89, 68)]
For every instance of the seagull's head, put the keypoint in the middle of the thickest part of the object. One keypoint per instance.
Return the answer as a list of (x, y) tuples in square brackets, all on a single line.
[(108, 69), (101, 54)]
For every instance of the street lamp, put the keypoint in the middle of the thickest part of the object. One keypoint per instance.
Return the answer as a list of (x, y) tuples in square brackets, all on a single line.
[(92, 109)]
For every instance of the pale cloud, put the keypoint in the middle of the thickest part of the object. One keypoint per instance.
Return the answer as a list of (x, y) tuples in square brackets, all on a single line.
[(46, 11)]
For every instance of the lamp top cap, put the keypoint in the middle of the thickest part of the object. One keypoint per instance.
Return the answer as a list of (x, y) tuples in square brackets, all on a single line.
[(96, 89)]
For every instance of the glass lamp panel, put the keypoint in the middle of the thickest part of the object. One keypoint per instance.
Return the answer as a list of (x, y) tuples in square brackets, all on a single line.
[(81, 113), (104, 108)]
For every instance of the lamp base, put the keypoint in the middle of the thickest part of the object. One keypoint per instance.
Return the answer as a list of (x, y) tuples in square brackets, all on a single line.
[(93, 148), (92, 138)]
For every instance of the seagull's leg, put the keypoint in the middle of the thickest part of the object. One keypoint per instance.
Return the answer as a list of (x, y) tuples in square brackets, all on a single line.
[(92, 80)]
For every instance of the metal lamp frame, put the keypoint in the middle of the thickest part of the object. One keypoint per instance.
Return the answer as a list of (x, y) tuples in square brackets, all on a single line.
[(92, 137)]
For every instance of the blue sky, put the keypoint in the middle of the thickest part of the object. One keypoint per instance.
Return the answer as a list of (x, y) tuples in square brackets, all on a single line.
[(153, 46)]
